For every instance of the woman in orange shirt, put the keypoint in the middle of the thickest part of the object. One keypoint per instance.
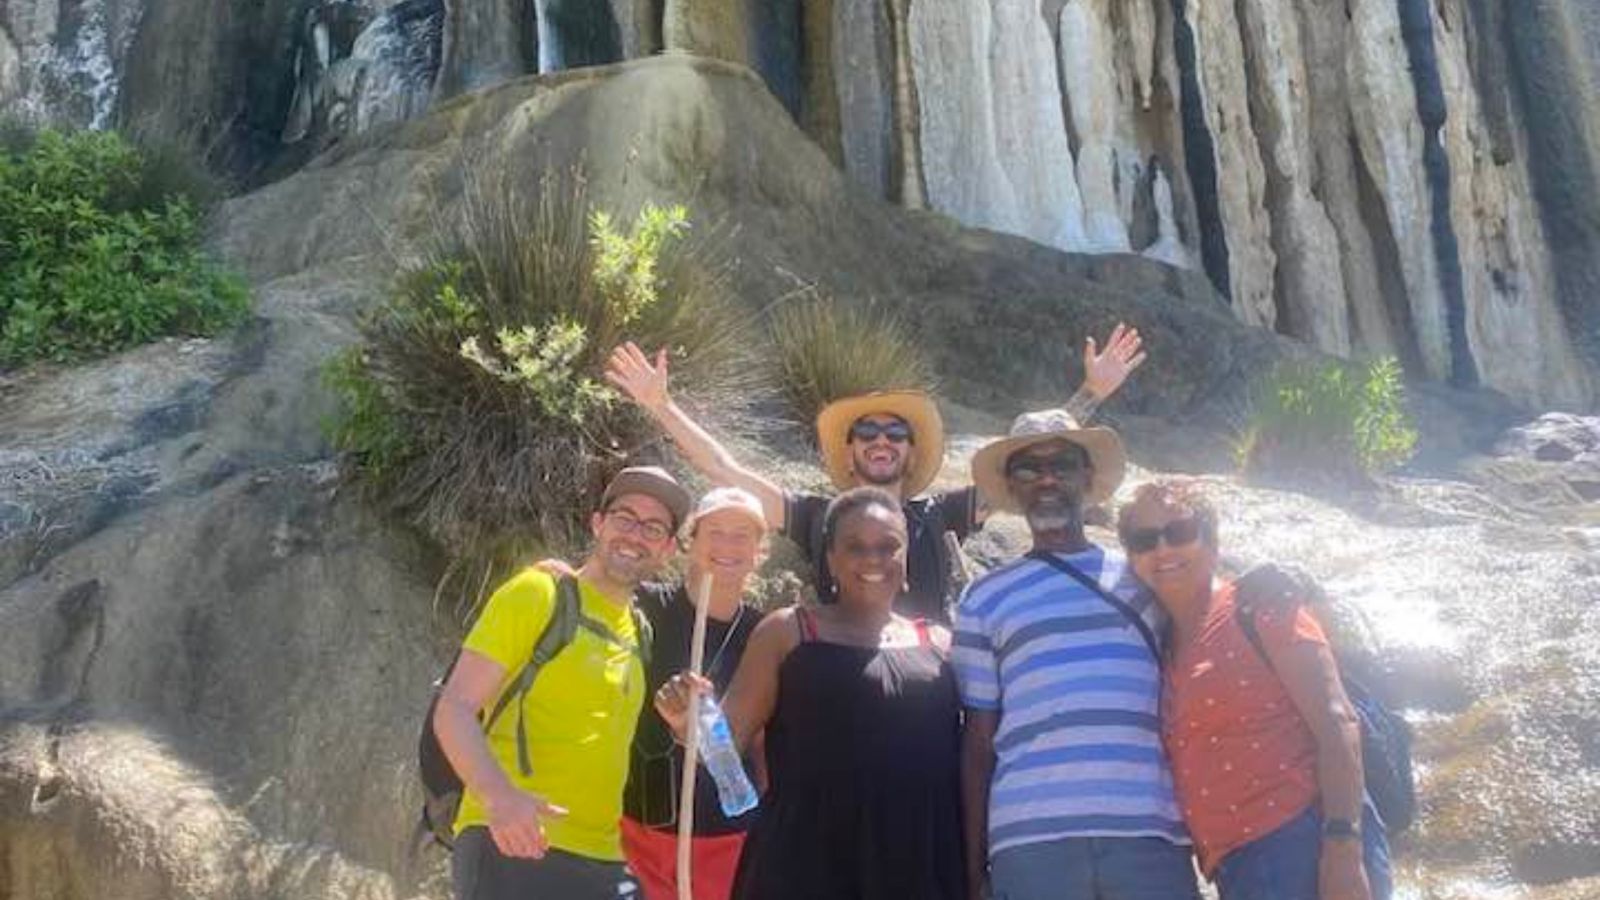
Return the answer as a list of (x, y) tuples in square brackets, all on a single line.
[(1265, 752)]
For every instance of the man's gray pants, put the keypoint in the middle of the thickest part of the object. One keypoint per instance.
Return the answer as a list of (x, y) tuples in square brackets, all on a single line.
[(481, 872)]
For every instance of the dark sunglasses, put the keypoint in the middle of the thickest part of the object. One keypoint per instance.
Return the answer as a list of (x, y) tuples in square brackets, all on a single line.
[(1177, 533), (867, 431), (1029, 469)]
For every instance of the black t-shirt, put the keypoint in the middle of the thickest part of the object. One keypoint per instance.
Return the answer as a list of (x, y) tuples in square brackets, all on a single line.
[(656, 762), (927, 560)]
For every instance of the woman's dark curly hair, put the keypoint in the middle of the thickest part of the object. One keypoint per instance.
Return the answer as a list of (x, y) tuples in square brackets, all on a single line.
[(1177, 493)]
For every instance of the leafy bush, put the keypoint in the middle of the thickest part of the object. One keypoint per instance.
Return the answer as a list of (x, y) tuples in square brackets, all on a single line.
[(82, 270), (827, 349), (474, 406), (1328, 423)]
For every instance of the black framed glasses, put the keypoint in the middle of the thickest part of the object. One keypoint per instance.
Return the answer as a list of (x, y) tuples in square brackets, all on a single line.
[(1177, 533), (1028, 469), (867, 430), (649, 529)]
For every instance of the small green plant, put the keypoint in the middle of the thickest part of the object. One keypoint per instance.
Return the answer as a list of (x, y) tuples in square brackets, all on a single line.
[(1328, 422), (83, 271), (474, 404), (827, 350)]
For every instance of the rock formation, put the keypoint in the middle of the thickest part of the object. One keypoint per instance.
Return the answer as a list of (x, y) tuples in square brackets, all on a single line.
[(1403, 177)]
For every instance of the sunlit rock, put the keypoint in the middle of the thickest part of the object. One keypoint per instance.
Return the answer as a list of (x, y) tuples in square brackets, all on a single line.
[(1241, 187), (1310, 283), (1518, 339), (1390, 135), (950, 47), (1088, 61), (1030, 133), (863, 75)]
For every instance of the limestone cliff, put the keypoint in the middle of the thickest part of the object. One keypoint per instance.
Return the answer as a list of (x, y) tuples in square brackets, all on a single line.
[(1384, 177)]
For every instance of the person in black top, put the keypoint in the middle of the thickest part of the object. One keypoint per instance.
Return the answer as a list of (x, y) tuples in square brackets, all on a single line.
[(892, 440), (862, 721), (726, 540)]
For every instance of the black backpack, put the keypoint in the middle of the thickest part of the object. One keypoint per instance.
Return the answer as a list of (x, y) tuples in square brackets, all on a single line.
[(1385, 740), (441, 786)]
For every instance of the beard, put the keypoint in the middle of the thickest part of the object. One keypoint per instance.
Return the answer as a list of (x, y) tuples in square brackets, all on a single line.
[(1052, 516)]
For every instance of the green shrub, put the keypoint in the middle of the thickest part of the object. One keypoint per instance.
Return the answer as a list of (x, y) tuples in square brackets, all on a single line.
[(84, 273), (1328, 422), (827, 349), (474, 405)]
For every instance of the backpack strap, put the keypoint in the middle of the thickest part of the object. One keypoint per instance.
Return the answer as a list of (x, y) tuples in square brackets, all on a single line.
[(1246, 617), (1117, 603), (557, 634)]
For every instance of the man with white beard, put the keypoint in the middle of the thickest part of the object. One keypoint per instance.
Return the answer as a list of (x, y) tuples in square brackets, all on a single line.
[(1066, 792)]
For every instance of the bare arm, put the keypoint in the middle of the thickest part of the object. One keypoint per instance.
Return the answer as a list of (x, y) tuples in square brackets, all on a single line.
[(977, 770), (645, 383), (753, 695), (1311, 677), (515, 816)]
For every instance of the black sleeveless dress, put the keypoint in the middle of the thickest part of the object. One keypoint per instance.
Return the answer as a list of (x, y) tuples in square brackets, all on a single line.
[(864, 802)]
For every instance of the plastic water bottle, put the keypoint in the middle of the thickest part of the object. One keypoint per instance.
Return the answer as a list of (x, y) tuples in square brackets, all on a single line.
[(721, 758)]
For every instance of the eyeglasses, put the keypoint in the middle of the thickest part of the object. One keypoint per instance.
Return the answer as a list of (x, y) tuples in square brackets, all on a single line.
[(649, 529), (866, 431), (1030, 469), (1177, 533)]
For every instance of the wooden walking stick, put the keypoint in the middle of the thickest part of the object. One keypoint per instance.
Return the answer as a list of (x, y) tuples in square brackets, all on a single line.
[(691, 750)]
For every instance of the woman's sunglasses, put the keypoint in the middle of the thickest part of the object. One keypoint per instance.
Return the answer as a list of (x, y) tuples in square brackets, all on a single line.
[(1177, 533), (867, 431)]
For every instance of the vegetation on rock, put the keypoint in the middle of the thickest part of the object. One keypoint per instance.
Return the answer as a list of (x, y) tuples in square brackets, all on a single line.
[(473, 404), (1328, 423), (827, 350), (100, 246)]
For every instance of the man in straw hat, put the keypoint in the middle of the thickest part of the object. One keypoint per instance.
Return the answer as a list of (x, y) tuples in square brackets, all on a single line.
[(544, 785), (890, 439), (1066, 790)]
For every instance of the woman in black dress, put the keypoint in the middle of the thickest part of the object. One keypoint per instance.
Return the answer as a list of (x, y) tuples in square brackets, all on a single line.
[(862, 731)]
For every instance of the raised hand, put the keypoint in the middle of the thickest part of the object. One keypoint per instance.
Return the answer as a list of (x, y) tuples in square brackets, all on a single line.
[(633, 373), (516, 822), (1104, 371)]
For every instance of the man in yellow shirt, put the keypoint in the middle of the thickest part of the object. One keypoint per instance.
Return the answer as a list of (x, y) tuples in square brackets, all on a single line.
[(540, 819)]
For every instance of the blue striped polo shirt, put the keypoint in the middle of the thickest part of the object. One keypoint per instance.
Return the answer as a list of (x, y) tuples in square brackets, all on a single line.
[(1078, 750)]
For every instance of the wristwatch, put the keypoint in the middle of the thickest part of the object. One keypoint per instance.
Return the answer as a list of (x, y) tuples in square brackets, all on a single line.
[(1340, 830)]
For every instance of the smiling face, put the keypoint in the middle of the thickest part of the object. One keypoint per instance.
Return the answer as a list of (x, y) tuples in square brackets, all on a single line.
[(880, 449), (1048, 481), (1181, 563), (728, 545), (633, 537), (867, 555)]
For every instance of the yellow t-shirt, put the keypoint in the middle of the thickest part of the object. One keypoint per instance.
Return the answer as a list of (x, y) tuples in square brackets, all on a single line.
[(579, 714)]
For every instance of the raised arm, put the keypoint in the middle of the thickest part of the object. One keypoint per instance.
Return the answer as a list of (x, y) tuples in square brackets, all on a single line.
[(645, 383), (1104, 371)]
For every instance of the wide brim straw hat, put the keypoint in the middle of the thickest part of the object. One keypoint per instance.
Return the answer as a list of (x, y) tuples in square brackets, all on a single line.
[(915, 407), (1106, 455)]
